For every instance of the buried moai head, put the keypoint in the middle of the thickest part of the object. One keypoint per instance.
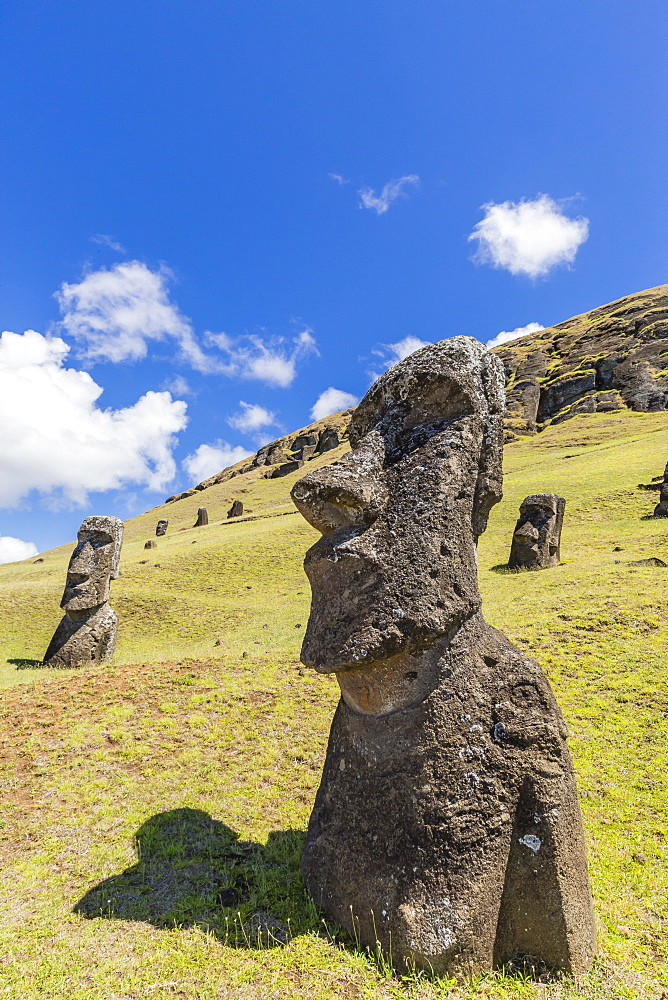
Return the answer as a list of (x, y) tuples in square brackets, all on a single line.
[(400, 515), (93, 564), (537, 535)]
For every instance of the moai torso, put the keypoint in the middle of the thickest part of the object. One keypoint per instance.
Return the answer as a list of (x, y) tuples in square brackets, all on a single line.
[(446, 827), (87, 632), (537, 536)]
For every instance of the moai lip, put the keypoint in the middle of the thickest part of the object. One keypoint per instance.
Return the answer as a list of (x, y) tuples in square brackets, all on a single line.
[(87, 632), (537, 537), (446, 829)]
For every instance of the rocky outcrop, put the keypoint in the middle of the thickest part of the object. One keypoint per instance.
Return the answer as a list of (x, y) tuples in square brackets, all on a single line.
[(305, 444), (446, 831), (607, 359)]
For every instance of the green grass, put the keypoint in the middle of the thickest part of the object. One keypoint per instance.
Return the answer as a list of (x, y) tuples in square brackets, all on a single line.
[(153, 810)]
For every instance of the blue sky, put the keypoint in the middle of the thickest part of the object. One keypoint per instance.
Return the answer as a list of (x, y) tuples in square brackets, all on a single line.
[(239, 203)]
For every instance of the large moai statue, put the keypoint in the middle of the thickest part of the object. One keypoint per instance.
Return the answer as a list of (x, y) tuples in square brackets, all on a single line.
[(661, 509), (537, 537), (447, 826), (87, 632), (202, 518)]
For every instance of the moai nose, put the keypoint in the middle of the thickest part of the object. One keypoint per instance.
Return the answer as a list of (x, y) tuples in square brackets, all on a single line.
[(337, 496)]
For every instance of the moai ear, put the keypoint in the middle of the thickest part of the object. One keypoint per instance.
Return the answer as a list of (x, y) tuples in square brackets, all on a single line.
[(489, 487)]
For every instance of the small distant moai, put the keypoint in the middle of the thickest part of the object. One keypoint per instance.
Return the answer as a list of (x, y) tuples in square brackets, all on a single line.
[(446, 830), (151, 544), (202, 518), (161, 527), (236, 510), (661, 509), (537, 536), (87, 631)]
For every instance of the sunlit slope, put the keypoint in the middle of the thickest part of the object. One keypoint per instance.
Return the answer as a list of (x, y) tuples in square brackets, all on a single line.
[(241, 583)]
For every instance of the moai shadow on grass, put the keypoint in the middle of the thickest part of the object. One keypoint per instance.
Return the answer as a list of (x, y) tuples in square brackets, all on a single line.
[(193, 871), (537, 537), (87, 632), (446, 830)]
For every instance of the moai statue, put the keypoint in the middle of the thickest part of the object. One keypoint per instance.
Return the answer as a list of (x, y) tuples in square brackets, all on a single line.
[(537, 535), (447, 826), (202, 517), (87, 632), (161, 527), (661, 509), (236, 510), (151, 544)]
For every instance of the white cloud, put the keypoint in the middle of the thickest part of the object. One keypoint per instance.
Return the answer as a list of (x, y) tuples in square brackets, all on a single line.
[(208, 459), (109, 241), (178, 386), (55, 438), (339, 178), (389, 194), (114, 314), (528, 237), (331, 401), (520, 331), (251, 417), (13, 549), (271, 361)]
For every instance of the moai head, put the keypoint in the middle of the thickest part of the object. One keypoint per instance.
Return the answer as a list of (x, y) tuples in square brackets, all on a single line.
[(395, 569), (94, 562), (537, 535), (161, 527)]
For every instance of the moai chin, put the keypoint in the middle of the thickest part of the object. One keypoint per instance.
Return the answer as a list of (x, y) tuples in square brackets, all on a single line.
[(87, 632), (537, 537), (447, 826)]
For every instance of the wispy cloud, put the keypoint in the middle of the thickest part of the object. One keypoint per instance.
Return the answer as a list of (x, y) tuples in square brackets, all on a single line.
[(109, 241), (251, 417), (178, 386), (392, 354), (331, 401), (388, 195), (58, 441), (520, 331), (528, 237), (208, 459), (339, 178), (114, 314)]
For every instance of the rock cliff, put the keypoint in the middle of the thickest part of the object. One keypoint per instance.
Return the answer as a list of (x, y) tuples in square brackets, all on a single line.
[(613, 357)]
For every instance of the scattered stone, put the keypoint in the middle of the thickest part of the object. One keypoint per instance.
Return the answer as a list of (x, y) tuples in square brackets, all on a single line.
[(618, 548), (640, 859), (202, 518), (537, 535), (161, 527), (218, 642), (236, 510), (652, 561), (446, 831), (151, 544), (39, 560), (142, 562), (262, 928), (87, 631)]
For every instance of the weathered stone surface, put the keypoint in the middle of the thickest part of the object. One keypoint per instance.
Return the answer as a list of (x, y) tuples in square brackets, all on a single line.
[(202, 517), (652, 561), (661, 509), (328, 440), (236, 510), (87, 632), (161, 527), (446, 826), (285, 469), (151, 544), (537, 536)]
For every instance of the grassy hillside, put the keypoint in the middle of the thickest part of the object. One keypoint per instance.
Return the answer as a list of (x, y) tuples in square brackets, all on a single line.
[(154, 809)]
